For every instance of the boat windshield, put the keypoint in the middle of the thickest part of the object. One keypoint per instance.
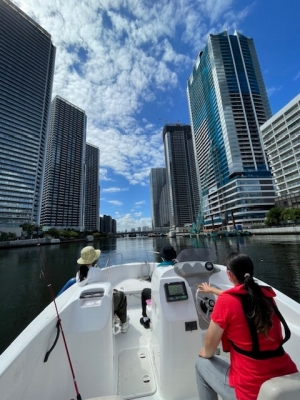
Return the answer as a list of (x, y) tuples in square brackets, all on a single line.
[(197, 254)]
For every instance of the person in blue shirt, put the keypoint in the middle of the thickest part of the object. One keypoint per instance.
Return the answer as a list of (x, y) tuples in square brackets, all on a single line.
[(168, 255)]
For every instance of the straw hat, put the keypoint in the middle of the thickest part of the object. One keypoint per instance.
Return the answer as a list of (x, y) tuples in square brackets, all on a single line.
[(88, 255)]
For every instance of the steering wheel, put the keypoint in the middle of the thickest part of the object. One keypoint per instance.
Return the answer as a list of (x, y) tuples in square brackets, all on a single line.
[(204, 304)]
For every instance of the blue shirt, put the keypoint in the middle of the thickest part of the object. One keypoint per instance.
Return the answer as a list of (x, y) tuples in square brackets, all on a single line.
[(166, 263)]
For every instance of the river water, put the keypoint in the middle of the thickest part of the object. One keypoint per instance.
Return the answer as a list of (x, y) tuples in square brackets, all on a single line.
[(24, 292)]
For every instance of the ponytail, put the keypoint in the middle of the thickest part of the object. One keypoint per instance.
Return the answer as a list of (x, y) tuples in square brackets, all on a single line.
[(260, 307)]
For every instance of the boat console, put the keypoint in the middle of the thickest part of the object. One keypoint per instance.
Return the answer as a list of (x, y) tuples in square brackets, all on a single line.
[(195, 273), (175, 291), (177, 326)]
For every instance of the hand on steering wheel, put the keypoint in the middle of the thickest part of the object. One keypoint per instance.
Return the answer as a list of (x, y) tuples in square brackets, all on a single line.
[(205, 306), (205, 300), (205, 287)]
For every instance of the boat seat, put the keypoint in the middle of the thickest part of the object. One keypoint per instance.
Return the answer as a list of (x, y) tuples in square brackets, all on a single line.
[(133, 286), (285, 387)]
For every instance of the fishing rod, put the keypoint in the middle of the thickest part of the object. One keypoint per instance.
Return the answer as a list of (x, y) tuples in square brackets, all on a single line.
[(59, 324)]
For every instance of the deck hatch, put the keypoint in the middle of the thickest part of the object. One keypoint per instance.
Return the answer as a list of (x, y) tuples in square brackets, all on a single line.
[(92, 294)]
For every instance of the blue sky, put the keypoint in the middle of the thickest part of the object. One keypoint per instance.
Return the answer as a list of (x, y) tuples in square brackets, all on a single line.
[(126, 63)]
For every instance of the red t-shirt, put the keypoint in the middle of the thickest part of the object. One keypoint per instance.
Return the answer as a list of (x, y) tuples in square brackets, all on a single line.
[(246, 374)]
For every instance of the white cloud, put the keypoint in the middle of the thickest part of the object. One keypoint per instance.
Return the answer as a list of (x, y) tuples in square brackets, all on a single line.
[(115, 202), (273, 89), (297, 76), (114, 190), (127, 221), (140, 202), (103, 174)]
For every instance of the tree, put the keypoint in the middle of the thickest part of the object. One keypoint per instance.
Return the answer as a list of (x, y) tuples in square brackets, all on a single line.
[(3, 236), (73, 234), (11, 236), (273, 216), (53, 232), (28, 228), (290, 214)]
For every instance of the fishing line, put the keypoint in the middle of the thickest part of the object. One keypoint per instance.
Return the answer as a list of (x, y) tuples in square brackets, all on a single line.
[(46, 275)]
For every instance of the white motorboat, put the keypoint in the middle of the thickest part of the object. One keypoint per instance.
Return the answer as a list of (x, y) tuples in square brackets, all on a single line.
[(156, 363)]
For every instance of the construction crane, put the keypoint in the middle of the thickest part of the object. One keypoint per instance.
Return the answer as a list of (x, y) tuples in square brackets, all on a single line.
[(170, 123)]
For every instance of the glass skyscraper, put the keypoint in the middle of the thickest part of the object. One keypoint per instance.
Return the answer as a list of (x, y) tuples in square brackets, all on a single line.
[(63, 194), (227, 104), (159, 198), (181, 175), (27, 58), (92, 194)]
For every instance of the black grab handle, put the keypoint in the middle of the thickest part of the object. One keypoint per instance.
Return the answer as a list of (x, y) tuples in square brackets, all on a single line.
[(54, 344)]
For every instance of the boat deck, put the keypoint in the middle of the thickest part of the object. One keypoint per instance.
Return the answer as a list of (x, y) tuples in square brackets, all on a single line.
[(134, 365), (135, 370), (141, 364)]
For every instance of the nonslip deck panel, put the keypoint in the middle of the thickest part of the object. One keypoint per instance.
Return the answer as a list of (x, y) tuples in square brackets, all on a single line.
[(136, 376)]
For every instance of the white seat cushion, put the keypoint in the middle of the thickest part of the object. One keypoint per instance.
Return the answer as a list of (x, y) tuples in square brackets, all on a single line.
[(133, 286), (285, 387)]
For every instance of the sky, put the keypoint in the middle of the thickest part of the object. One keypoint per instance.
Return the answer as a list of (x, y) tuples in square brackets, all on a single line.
[(127, 62)]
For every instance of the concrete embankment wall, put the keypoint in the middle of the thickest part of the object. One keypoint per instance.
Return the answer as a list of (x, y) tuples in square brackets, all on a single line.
[(35, 242), (285, 230), (24, 243)]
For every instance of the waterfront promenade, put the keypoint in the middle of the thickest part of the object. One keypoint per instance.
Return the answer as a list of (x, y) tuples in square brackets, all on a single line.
[(285, 230)]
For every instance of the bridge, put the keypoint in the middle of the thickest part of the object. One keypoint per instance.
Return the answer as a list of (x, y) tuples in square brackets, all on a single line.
[(144, 233)]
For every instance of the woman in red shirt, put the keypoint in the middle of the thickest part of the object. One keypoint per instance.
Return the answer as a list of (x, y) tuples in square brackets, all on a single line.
[(248, 322)]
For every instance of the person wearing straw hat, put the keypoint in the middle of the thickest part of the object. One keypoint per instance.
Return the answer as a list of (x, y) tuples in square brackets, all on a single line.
[(87, 273)]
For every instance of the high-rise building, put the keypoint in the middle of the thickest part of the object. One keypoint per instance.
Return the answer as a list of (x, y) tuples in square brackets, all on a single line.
[(113, 226), (159, 198), (106, 224), (181, 175), (26, 71), (227, 104), (92, 199), (281, 137), (63, 195), (101, 223)]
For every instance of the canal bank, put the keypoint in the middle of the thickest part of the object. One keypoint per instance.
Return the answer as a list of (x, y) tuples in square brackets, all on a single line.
[(284, 230), (34, 242), (44, 241)]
